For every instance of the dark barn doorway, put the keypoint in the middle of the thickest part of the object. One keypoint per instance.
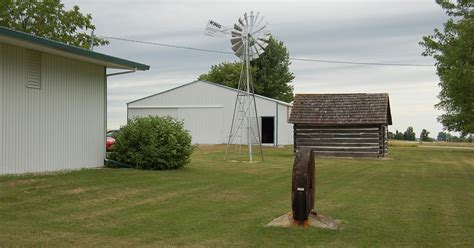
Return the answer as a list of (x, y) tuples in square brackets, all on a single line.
[(268, 130)]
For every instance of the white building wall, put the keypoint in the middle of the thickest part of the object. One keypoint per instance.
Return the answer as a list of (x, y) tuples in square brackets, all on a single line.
[(209, 109), (285, 129), (1, 105), (60, 126)]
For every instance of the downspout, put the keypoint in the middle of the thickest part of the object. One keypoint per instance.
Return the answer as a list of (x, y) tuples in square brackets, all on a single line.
[(105, 111), (105, 100)]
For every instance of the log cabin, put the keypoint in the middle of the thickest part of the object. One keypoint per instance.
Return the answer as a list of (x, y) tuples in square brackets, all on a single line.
[(342, 125)]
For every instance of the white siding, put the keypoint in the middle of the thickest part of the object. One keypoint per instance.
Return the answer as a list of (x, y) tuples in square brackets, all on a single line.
[(285, 129), (204, 123), (2, 85), (207, 127), (141, 112), (60, 126)]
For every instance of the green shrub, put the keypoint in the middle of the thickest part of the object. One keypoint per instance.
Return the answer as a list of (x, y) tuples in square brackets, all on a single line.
[(153, 143)]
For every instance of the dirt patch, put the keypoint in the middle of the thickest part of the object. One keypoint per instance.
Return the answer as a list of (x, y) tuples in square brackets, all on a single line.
[(76, 190), (314, 220)]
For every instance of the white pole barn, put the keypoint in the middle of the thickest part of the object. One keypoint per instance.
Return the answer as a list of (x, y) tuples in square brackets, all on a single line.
[(206, 109), (53, 104)]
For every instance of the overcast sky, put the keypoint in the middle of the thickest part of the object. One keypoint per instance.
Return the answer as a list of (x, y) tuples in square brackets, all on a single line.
[(364, 31)]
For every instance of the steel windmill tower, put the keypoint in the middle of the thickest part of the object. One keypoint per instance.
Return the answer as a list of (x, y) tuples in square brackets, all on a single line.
[(250, 37)]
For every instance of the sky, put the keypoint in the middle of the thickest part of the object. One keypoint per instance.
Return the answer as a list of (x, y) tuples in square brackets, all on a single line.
[(361, 31)]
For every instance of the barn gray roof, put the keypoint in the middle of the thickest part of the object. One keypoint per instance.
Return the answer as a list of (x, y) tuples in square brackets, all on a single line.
[(341, 109)]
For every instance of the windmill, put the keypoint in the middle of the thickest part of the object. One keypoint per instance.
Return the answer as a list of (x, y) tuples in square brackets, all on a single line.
[(249, 38)]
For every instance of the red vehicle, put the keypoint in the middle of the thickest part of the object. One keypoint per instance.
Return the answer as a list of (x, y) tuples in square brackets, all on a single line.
[(110, 141)]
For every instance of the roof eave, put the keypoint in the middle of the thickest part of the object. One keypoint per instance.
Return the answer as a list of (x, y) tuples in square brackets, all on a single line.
[(22, 39)]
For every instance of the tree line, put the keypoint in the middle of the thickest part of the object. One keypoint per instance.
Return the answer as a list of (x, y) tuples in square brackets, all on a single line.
[(409, 134)]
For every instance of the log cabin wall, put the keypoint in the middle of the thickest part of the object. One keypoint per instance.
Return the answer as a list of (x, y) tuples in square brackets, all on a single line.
[(342, 141)]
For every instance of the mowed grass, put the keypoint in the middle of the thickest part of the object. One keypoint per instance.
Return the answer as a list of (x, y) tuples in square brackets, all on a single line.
[(417, 197)]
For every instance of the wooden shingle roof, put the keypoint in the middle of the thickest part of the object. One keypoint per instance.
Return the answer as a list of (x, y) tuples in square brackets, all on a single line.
[(341, 109)]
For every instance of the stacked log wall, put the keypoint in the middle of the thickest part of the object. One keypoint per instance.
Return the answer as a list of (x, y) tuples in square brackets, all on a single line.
[(342, 141)]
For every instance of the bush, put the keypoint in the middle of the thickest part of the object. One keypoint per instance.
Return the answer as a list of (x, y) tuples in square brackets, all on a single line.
[(153, 143)]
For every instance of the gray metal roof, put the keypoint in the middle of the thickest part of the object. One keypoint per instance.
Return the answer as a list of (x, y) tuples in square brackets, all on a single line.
[(214, 84), (17, 38)]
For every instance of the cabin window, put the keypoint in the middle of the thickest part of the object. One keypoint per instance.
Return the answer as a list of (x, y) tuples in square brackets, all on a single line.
[(34, 70)]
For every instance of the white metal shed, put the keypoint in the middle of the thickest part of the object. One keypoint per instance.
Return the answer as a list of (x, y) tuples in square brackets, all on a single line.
[(53, 104), (206, 109)]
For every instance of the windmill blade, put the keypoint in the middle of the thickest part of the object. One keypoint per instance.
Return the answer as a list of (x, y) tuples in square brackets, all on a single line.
[(261, 30), (264, 39), (259, 49), (236, 33), (241, 22), (265, 36), (240, 55), (246, 19), (256, 19), (237, 27), (252, 20), (262, 44), (255, 53), (259, 22), (238, 46), (236, 40), (255, 56)]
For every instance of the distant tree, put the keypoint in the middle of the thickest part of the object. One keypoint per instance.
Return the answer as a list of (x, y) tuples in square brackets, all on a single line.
[(453, 50), (470, 138), (398, 135), (442, 136), (424, 136), (409, 134), (270, 72), (454, 138), (390, 135), (50, 20)]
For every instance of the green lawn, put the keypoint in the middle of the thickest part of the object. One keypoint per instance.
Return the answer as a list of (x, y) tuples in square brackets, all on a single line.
[(418, 197)]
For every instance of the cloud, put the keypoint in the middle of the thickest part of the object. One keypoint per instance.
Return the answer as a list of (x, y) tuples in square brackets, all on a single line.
[(365, 31)]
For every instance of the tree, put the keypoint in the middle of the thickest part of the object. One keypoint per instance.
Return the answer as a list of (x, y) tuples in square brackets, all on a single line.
[(409, 134), (398, 135), (424, 136), (442, 136), (50, 20), (390, 135), (453, 48), (227, 74), (270, 73)]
